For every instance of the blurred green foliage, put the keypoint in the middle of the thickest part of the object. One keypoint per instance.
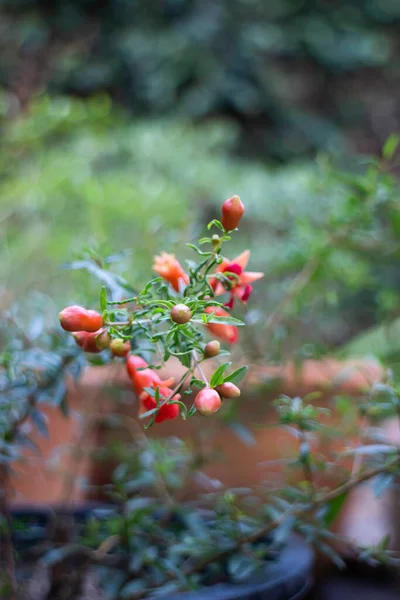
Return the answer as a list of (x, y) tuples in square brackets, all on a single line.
[(78, 179), (295, 73), (74, 171)]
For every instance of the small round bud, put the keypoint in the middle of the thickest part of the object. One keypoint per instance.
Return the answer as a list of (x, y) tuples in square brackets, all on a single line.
[(228, 390), (212, 349), (181, 314), (232, 212), (120, 348), (207, 401), (103, 340), (215, 240)]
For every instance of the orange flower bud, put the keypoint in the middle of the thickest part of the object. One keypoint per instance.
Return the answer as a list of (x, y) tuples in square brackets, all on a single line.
[(228, 333), (232, 212), (181, 314), (93, 342), (120, 348), (207, 401), (169, 268), (228, 390), (212, 349), (77, 318)]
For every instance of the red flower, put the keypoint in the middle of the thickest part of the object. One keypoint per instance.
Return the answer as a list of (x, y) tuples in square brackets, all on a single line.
[(169, 268), (144, 377), (167, 411), (241, 279), (228, 333)]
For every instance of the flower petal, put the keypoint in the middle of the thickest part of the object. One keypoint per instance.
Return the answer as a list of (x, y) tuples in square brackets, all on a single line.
[(250, 276), (242, 259)]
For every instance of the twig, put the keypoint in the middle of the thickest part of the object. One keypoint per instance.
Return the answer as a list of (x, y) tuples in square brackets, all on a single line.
[(298, 284), (198, 367)]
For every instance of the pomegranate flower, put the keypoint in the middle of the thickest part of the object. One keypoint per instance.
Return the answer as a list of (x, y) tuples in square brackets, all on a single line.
[(227, 333), (167, 410), (170, 269), (143, 377), (241, 279)]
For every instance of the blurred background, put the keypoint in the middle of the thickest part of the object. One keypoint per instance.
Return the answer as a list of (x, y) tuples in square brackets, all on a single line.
[(125, 124)]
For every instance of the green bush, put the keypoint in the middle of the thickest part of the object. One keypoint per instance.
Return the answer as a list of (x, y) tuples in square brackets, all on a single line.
[(80, 179), (295, 73)]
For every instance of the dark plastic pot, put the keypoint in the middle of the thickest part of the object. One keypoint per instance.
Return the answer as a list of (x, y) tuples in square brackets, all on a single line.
[(290, 577)]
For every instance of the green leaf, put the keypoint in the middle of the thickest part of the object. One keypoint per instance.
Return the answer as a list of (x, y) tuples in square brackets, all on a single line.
[(103, 298), (334, 507), (132, 589), (220, 320), (199, 383), (149, 413), (182, 408), (390, 146), (218, 376), (238, 375), (196, 249), (205, 240), (216, 223), (192, 411)]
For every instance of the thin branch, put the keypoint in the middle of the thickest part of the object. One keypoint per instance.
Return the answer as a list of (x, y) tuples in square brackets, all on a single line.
[(198, 367), (298, 284)]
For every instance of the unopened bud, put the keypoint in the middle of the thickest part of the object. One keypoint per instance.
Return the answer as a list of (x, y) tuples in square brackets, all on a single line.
[(207, 401), (215, 240), (120, 348), (212, 349), (228, 390), (232, 212), (77, 318), (92, 342), (181, 314)]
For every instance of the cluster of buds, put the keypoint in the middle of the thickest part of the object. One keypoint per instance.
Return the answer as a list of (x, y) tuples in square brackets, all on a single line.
[(185, 303), (88, 330)]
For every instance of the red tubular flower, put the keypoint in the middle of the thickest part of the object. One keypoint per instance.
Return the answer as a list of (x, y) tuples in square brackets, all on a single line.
[(169, 268), (241, 279), (77, 318), (144, 377), (167, 411), (232, 212), (227, 333)]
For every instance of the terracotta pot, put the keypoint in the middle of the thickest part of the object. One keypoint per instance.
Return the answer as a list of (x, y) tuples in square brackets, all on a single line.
[(107, 389)]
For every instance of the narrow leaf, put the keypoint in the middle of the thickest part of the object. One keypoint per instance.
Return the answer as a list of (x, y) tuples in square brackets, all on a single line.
[(103, 298), (238, 375), (390, 146), (218, 376), (334, 507)]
